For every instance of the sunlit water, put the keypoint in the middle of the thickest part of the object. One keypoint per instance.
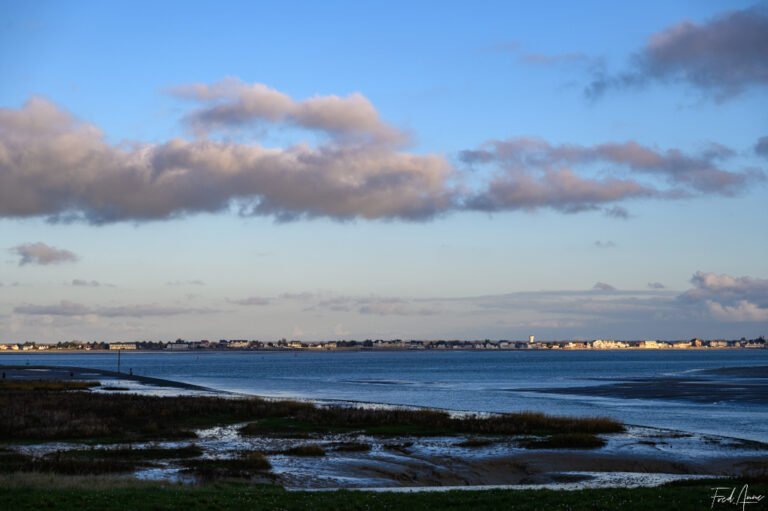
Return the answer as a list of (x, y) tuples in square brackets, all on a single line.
[(494, 381)]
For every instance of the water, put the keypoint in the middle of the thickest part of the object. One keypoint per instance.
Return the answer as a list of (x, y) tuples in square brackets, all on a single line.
[(491, 381)]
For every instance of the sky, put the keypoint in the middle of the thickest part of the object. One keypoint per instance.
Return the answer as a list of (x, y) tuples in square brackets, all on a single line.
[(354, 170)]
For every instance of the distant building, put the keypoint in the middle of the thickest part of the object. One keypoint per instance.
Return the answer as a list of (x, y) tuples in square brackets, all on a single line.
[(531, 339), (122, 346)]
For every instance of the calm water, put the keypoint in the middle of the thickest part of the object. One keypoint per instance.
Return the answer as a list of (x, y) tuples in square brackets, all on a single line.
[(472, 381)]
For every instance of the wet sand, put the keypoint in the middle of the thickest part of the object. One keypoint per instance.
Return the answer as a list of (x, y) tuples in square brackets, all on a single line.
[(744, 385)]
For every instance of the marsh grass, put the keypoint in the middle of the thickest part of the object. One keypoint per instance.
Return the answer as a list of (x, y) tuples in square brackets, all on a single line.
[(566, 441), (399, 422), (149, 453), (305, 450), (474, 442), (245, 466), (57, 464), (352, 447), (34, 415), (27, 415), (45, 385)]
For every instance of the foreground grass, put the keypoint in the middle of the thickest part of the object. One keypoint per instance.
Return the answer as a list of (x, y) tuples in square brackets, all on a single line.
[(680, 497)]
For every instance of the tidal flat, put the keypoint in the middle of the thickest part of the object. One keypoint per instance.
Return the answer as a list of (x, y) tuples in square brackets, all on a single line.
[(67, 423)]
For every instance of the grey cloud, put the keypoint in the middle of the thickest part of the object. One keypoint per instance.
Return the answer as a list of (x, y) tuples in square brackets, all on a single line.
[(233, 103), (52, 165), (602, 286), (721, 58), (656, 285), (604, 244), (251, 300), (534, 173), (562, 58), (616, 212), (41, 254), (297, 296), (368, 305), (394, 308), (727, 298), (68, 308), (761, 147), (88, 283), (177, 283)]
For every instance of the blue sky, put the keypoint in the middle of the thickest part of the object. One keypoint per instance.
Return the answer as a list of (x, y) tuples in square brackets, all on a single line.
[(345, 170)]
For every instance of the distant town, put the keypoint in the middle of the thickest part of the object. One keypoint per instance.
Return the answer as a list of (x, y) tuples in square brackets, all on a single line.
[(393, 344)]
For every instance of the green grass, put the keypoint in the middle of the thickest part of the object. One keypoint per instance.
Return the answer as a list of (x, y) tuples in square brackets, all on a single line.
[(679, 497)]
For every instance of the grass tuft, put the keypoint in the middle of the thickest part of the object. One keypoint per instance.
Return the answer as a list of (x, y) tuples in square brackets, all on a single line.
[(305, 450), (566, 441), (474, 442)]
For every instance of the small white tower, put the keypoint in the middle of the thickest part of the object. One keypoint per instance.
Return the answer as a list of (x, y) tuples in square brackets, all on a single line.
[(531, 339)]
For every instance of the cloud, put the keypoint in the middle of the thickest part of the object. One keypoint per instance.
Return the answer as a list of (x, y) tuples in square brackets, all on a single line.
[(41, 254), (251, 300), (604, 244), (656, 285), (739, 312), (366, 305), (88, 283), (55, 166), (602, 286), (297, 296), (761, 147), (177, 283), (68, 308), (616, 212), (537, 173), (551, 59), (232, 103), (393, 307), (727, 298), (721, 58)]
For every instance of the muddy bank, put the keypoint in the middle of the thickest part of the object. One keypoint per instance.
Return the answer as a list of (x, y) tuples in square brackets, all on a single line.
[(65, 373), (744, 385)]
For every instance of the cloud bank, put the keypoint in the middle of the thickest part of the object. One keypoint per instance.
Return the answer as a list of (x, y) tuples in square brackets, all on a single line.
[(41, 254), (727, 298), (68, 308), (55, 166), (532, 173), (721, 58)]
